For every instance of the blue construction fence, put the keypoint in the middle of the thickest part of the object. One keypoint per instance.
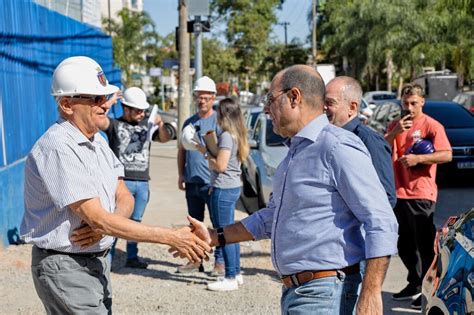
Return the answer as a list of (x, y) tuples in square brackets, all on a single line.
[(33, 41)]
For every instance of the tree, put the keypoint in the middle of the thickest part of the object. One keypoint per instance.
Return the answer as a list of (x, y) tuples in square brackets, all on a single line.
[(220, 62), (133, 38), (249, 25)]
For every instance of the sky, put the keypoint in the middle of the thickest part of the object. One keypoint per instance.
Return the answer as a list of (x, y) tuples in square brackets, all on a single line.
[(165, 15)]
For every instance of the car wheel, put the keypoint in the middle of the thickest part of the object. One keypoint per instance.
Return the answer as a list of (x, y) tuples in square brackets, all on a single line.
[(247, 188), (171, 131)]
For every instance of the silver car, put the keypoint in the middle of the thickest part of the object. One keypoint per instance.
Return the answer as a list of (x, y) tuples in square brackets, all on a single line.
[(266, 152)]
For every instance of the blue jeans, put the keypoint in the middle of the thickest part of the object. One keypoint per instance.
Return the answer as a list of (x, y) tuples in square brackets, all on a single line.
[(141, 192), (197, 197), (331, 295), (223, 203)]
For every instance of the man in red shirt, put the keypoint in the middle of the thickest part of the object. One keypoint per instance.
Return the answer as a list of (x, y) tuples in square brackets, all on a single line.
[(415, 185)]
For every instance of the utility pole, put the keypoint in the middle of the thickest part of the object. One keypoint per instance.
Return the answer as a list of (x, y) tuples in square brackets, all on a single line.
[(198, 46), (314, 33), (184, 90), (110, 29), (285, 25)]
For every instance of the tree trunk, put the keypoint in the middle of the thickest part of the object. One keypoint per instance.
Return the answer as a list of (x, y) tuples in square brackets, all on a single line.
[(400, 85), (377, 81), (389, 70)]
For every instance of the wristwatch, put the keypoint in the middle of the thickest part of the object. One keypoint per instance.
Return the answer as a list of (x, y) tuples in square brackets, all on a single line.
[(206, 155), (220, 236)]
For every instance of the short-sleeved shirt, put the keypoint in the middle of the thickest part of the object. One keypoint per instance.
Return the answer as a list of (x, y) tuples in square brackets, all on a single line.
[(418, 182), (230, 178), (62, 168), (196, 168), (130, 143)]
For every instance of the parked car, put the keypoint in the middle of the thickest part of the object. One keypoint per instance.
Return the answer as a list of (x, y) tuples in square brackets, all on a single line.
[(266, 152), (250, 115), (448, 285), (457, 121), (379, 97), (466, 99)]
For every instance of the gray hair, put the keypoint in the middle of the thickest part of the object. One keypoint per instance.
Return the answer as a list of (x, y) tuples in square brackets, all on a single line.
[(351, 89)]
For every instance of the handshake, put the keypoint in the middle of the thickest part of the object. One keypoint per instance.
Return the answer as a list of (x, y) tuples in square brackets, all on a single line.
[(193, 242)]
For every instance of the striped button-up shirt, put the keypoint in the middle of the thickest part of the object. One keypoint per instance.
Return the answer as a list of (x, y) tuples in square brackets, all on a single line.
[(62, 168), (324, 191)]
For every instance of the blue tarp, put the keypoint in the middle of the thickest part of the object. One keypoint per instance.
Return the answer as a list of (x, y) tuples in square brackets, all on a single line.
[(33, 41)]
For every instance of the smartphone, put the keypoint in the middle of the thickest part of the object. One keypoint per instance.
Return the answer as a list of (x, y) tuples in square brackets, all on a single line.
[(404, 113)]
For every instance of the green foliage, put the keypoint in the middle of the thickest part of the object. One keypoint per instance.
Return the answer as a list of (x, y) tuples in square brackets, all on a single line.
[(220, 62), (249, 24), (133, 38), (409, 33)]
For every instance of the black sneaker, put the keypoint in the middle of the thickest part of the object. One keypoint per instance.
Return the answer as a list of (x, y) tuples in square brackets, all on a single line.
[(416, 303), (407, 293), (135, 263)]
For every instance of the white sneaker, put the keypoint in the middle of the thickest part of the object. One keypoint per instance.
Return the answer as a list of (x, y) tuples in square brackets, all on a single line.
[(223, 284), (240, 279)]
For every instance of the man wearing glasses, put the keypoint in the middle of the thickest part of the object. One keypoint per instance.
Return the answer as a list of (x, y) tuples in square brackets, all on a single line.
[(193, 169), (129, 139), (76, 200), (324, 192)]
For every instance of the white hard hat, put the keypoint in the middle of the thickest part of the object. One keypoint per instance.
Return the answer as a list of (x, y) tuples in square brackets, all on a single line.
[(135, 97), (205, 84), (80, 75), (189, 138)]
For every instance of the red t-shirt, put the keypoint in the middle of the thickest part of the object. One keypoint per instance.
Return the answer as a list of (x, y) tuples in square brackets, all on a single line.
[(418, 182)]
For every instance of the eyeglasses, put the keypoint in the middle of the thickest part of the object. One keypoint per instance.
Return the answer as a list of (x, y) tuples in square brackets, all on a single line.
[(269, 98), (93, 98), (203, 99)]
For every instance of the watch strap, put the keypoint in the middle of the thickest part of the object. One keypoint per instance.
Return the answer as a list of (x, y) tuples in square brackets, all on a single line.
[(220, 236)]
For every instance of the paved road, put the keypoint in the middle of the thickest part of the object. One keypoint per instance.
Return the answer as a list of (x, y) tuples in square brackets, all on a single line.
[(167, 208)]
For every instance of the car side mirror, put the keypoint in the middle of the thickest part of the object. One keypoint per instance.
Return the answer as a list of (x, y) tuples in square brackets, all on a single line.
[(253, 144)]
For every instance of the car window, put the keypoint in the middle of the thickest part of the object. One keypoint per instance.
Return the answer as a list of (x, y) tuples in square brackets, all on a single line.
[(256, 131), (450, 116), (379, 97), (271, 138), (253, 119)]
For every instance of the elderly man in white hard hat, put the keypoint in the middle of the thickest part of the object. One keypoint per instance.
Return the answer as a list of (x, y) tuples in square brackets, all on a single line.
[(193, 169), (76, 200), (129, 138)]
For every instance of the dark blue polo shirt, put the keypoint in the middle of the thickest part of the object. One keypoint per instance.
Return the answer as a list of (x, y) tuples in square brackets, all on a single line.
[(381, 155)]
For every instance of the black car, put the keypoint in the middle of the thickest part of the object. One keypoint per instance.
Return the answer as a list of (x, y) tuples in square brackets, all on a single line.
[(457, 121)]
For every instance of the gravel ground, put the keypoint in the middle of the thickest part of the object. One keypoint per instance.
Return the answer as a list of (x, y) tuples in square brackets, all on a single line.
[(159, 289)]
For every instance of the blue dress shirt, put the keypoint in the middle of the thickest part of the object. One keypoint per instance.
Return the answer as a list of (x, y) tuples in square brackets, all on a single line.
[(381, 154), (324, 191)]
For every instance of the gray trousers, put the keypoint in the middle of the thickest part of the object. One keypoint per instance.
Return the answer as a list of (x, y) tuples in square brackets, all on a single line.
[(72, 284)]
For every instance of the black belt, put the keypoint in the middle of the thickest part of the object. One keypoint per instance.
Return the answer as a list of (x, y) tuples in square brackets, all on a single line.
[(86, 255)]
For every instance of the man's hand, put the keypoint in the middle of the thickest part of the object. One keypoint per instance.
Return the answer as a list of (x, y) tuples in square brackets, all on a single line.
[(200, 230), (159, 120), (187, 245), (370, 299), (404, 124), (409, 160), (370, 304), (84, 236), (201, 148), (181, 184)]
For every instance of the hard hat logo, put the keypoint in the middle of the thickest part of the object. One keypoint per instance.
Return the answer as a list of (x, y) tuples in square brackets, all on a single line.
[(101, 77)]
